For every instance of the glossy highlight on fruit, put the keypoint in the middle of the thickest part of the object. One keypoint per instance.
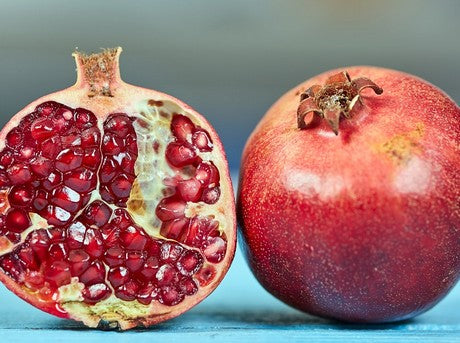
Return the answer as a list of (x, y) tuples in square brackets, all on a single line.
[(349, 196), (116, 205)]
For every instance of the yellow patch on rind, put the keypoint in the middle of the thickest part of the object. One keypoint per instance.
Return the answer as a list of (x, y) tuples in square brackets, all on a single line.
[(401, 147)]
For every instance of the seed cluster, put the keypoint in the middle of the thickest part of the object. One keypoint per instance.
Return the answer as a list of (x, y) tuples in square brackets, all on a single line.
[(52, 163)]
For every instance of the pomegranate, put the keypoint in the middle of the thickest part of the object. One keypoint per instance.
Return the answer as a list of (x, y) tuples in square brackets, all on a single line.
[(349, 196), (116, 205)]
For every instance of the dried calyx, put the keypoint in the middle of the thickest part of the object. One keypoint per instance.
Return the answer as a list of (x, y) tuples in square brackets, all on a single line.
[(333, 100)]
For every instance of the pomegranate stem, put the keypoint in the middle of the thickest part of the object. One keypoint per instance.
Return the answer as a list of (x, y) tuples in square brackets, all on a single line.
[(98, 72), (335, 99)]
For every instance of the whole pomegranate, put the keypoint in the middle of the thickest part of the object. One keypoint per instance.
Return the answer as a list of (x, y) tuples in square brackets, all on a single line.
[(349, 196), (116, 206)]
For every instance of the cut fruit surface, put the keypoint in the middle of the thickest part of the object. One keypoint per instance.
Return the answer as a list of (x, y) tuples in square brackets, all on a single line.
[(116, 202)]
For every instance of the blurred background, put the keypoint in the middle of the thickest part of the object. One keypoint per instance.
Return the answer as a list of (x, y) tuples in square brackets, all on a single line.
[(230, 60)]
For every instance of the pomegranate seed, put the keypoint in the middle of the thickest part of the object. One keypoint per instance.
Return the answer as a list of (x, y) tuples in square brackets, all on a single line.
[(150, 268), (182, 127), (17, 220), (97, 213), (133, 238), (114, 256), (134, 260), (131, 144), (76, 235), (11, 267), (174, 228), (207, 174), (6, 158), (58, 273), (66, 198), (20, 196), (166, 275), (122, 219), (41, 166), (69, 159), (189, 263), (201, 140), (121, 186), (39, 242), (93, 243), (61, 119), (111, 144), (128, 291), (170, 296), (71, 140), (118, 276), (28, 258), (118, 124), (190, 190), (4, 181), (215, 249), (26, 152), (94, 274), (147, 293), (57, 251), (19, 174), (84, 119), (14, 138), (170, 208), (91, 158), (90, 137), (33, 279), (188, 286), (108, 170), (13, 237), (55, 215), (40, 201), (179, 155), (81, 180), (42, 129), (211, 195), (56, 235), (205, 275), (46, 294), (79, 261), (52, 181), (126, 161), (111, 235), (51, 147), (26, 122), (153, 248), (170, 252), (48, 108), (96, 293)]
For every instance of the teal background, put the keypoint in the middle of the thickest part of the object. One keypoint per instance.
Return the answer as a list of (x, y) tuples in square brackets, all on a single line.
[(230, 60)]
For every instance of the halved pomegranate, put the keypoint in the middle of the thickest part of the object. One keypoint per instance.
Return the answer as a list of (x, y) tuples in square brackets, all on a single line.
[(116, 202)]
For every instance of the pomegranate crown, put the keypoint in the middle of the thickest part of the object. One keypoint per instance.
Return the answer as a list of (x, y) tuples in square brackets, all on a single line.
[(100, 72), (333, 100)]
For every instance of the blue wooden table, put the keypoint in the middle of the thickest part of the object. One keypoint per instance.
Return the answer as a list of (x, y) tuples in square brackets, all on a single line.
[(239, 310)]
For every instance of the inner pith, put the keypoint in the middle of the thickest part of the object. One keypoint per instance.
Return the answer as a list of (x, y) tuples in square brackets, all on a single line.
[(64, 234)]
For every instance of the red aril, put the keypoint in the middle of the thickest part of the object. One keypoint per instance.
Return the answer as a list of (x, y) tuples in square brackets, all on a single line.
[(349, 197), (91, 227)]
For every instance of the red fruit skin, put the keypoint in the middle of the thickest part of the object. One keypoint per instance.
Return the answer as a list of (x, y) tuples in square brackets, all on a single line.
[(363, 226)]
